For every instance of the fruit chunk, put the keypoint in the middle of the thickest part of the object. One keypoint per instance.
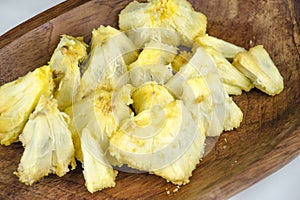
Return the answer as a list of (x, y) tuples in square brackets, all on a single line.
[(257, 65), (67, 56), (19, 98), (48, 143)]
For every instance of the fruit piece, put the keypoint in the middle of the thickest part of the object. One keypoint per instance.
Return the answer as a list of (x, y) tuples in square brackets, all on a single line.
[(67, 56), (257, 65), (48, 143), (19, 98)]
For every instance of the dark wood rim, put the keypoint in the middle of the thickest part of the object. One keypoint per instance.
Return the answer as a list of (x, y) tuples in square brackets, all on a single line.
[(268, 164), (38, 20)]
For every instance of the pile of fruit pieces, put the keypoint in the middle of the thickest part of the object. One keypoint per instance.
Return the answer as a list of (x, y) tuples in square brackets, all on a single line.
[(145, 96)]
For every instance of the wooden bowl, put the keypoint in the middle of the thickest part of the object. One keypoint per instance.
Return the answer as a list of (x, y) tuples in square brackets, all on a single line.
[(268, 138)]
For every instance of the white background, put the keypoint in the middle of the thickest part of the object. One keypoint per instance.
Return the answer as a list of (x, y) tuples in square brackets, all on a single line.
[(282, 185)]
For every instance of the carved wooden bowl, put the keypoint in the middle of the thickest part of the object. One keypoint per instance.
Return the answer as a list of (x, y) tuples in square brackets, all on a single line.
[(268, 138)]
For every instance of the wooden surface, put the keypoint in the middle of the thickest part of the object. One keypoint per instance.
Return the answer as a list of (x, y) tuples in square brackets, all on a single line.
[(268, 138)]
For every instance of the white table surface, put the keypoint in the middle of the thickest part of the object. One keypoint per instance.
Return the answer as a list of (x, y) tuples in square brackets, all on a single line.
[(281, 185)]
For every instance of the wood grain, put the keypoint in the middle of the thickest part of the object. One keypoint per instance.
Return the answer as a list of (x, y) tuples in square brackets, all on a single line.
[(268, 138)]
